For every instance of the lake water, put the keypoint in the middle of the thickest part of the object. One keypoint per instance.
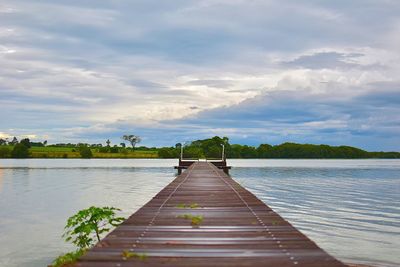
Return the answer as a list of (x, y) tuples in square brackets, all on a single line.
[(351, 208)]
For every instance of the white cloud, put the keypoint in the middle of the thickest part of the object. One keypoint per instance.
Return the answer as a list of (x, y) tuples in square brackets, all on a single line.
[(80, 70)]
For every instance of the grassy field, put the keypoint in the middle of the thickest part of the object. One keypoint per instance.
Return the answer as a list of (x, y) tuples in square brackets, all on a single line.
[(131, 155), (54, 152), (69, 152)]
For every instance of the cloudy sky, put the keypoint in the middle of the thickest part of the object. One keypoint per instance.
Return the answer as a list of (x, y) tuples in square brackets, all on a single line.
[(172, 71)]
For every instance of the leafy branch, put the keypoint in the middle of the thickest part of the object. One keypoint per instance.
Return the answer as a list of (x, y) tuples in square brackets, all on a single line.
[(84, 228)]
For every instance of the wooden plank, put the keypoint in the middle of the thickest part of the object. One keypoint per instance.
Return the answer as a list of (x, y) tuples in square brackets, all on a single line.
[(237, 229)]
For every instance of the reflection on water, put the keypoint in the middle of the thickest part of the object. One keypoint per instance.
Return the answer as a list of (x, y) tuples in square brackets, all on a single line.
[(350, 208)]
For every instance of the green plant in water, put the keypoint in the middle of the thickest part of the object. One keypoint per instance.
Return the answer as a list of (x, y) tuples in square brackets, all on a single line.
[(84, 228), (126, 254), (195, 220), (68, 258)]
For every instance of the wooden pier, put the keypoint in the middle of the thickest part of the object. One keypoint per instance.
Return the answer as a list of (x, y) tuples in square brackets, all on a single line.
[(205, 218), (220, 164)]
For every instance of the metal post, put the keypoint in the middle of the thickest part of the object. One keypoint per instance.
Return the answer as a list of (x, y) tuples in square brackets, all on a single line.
[(181, 151)]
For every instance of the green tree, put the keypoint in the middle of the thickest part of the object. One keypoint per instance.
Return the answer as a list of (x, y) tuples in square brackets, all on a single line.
[(210, 148), (86, 152), (214, 151), (168, 152), (114, 149), (26, 142), (193, 152), (20, 151), (36, 144), (5, 152), (264, 151), (105, 149), (248, 152), (133, 139), (85, 228), (14, 141), (235, 151)]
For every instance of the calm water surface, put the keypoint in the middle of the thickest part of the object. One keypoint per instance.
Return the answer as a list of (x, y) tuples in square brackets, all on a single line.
[(351, 208)]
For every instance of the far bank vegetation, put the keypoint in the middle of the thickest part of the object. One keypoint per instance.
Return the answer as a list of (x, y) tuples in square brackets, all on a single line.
[(207, 148)]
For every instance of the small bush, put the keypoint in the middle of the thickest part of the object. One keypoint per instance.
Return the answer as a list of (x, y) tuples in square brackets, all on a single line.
[(114, 150), (20, 151), (86, 153), (84, 228), (104, 149)]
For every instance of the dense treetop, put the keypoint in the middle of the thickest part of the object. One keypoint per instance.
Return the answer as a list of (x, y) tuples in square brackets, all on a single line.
[(212, 148)]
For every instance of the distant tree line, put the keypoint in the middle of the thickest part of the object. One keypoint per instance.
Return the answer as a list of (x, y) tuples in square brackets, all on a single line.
[(20, 149), (207, 148), (212, 148), (15, 149)]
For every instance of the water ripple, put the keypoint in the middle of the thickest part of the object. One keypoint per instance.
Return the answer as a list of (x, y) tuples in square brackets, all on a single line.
[(351, 208), (352, 211), (39, 200)]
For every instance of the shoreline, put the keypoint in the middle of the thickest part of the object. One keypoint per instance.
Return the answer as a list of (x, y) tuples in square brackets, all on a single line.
[(200, 159)]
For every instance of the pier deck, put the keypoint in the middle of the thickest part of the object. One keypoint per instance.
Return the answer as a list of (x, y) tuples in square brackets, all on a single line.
[(237, 229)]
